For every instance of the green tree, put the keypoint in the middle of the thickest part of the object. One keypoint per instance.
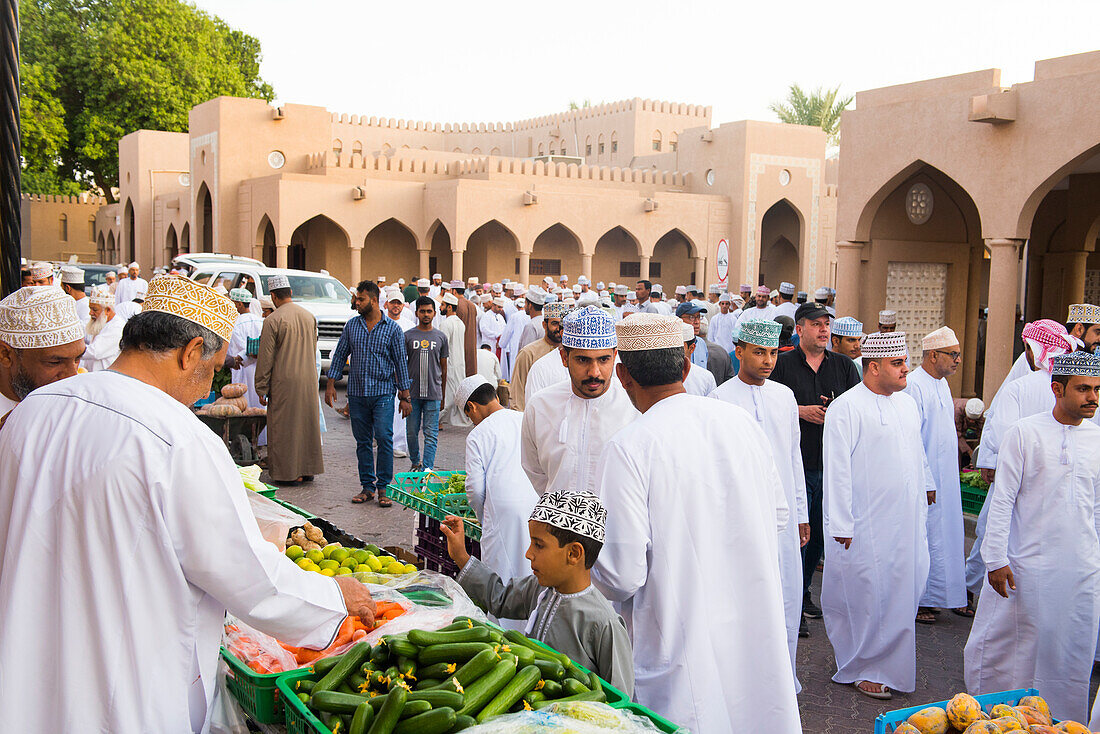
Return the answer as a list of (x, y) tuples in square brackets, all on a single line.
[(818, 108), (96, 70)]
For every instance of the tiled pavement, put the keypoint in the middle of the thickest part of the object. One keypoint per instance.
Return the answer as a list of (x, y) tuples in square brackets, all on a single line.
[(825, 706)]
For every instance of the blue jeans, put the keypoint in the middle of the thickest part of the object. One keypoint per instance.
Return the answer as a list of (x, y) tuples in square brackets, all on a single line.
[(372, 420), (426, 411)]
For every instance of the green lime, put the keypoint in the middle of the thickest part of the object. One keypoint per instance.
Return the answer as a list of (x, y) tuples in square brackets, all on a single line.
[(329, 563), (395, 568), (359, 555), (343, 571), (348, 562), (294, 552), (329, 549), (339, 554), (315, 555), (362, 568), (327, 572), (374, 563)]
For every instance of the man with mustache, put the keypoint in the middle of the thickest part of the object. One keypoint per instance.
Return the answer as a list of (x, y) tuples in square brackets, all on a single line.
[(566, 425), (1041, 550)]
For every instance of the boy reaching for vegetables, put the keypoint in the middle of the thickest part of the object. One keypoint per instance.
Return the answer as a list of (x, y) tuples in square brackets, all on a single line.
[(564, 609)]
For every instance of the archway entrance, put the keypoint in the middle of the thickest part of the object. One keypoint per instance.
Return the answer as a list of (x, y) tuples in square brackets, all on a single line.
[(439, 260), (556, 251), (672, 263), (185, 238), (616, 258), (205, 211), (101, 249), (390, 250), (265, 239), (112, 252), (128, 233), (780, 245), (320, 244), (491, 252), (171, 244)]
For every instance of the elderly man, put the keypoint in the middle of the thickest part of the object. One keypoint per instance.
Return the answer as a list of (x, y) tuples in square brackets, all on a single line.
[(1083, 324), (550, 317), (688, 619), (104, 332), (129, 309), (774, 408), (111, 280), (41, 341), (566, 425), (761, 310), (721, 324), (72, 282), (887, 321), (847, 339), (247, 328), (129, 286), (1041, 550), (927, 385), (969, 421), (876, 504), (286, 383), (147, 509)]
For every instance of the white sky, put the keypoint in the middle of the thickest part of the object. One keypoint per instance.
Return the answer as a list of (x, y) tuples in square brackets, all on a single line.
[(494, 60)]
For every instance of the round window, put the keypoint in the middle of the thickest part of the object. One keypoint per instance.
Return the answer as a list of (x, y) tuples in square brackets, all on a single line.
[(784, 177), (710, 177), (276, 159), (918, 203), (185, 179)]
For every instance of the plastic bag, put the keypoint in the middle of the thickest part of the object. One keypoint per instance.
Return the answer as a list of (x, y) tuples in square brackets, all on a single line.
[(225, 715), (568, 718), (436, 600), (262, 653), (274, 520)]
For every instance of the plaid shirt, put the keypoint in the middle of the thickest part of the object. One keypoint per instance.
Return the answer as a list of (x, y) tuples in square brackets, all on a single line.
[(378, 358)]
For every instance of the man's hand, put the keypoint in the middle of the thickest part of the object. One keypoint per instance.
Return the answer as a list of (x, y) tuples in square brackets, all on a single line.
[(846, 542), (330, 393), (812, 413), (931, 497), (987, 475), (357, 599), (263, 400), (803, 533), (1002, 578), (404, 406), (455, 532)]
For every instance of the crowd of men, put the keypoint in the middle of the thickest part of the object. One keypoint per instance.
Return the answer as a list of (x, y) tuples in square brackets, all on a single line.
[(824, 446)]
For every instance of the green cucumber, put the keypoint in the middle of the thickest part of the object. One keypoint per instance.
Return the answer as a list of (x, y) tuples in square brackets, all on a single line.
[(439, 670), (496, 637), (573, 671), (456, 626), (324, 665), (356, 681), (400, 646), (551, 689), (594, 682), (434, 699), (462, 722), (533, 697), (586, 696), (304, 685), (333, 723), (425, 683), (437, 721), (334, 702), (345, 687), (378, 679), (386, 719), (550, 669), (572, 686), (518, 638), (423, 638), (415, 708), (406, 667), (379, 655), (508, 656), (481, 691), (511, 693), (361, 719), (525, 655), (458, 652), (350, 660)]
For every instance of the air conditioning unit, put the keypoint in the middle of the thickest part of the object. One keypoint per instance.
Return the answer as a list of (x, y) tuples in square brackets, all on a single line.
[(358, 193), (529, 198), (278, 114), (650, 205), (707, 137)]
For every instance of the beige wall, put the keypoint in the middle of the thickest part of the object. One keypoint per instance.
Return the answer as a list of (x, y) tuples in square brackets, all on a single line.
[(59, 227), (150, 165)]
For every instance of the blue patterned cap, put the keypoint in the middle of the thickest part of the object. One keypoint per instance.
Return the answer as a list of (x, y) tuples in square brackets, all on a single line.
[(578, 512), (760, 332), (555, 310), (1079, 363), (588, 328), (847, 326), (240, 295)]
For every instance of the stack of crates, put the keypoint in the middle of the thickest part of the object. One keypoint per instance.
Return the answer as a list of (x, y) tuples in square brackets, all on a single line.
[(431, 547)]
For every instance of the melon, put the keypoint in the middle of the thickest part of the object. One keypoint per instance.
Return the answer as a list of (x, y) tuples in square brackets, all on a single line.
[(1009, 723), (982, 727), (1041, 729), (963, 710), (234, 390), (222, 411), (1033, 715), (931, 720), (254, 411), (1002, 709), (1035, 702), (1071, 727), (906, 728), (241, 403)]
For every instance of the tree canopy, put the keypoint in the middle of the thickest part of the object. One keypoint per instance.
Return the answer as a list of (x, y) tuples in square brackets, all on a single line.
[(817, 108), (93, 71)]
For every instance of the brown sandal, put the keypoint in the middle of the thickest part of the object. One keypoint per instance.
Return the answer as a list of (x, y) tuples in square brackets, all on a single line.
[(362, 497), (384, 501)]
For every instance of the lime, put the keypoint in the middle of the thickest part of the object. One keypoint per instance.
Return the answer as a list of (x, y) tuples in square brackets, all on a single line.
[(313, 567), (374, 563), (361, 577), (409, 568), (362, 568), (348, 562), (329, 549), (339, 554), (329, 563), (343, 571), (359, 555), (315, 555), (327, 572), (304, 563), (395, 568), (295, 552)]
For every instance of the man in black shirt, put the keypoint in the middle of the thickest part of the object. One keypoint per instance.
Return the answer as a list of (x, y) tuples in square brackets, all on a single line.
[(816, 376)]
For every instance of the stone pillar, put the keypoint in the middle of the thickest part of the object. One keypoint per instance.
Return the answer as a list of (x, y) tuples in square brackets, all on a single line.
[(701, 272), (848, 267), (970, 320), (281, 255), (643, 269), (524, 275), (425, 265), (456, 264), (586, 266), (257, 252), (1073, 282), (1000, 334), (356, 265)]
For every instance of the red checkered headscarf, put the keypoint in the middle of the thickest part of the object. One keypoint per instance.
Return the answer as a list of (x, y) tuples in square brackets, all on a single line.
[(1048, 339)]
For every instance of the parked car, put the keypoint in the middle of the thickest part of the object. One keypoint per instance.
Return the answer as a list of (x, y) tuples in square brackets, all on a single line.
[(94, 273), (326, 298), (187, 264)]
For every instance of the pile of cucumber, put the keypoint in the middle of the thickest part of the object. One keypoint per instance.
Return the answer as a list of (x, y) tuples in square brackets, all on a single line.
[(436, 682)]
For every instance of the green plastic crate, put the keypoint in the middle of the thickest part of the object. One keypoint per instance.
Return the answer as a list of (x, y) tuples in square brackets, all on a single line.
[(294, 508), (269, 492), (972, 499), (299, 719), (659, 721), (255, 692), (615, 697), (404, 486)]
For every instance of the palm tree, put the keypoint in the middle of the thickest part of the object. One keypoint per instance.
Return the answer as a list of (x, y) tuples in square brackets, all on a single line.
[(819, 108)]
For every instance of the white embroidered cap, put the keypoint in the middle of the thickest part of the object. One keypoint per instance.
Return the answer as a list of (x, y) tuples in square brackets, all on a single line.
[(39, 317), (885, 345), (646, 331), (941, 338)]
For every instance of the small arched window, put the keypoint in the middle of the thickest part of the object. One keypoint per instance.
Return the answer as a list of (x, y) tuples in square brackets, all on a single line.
[(673, 142), (91, 229), (475, 151), (540, 149), (494, 151), (657, 141), (614, 143), (458, 150), (356, 147), (337, 146), (588, 145), (63, 228), (599, 146)]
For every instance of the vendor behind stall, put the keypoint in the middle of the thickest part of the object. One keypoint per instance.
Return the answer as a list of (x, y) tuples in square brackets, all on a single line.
[(119, 563)]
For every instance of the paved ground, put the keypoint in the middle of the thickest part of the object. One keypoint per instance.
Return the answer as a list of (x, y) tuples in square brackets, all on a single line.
[(825, 706)]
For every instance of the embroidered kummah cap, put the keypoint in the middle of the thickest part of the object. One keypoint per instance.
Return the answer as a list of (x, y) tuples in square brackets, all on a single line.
[(240, 295), (847, 326), (821, 294), (101, 296), (275, 282), (621, 290), (71, 275), (681, 290), (450, 298), (578, 512), (555, 310), (194, 302), (773, 294), (536, 295), (381, 279), (583, 280), (657, 290), (1083, 313), (786, 288), (39, 317), (472, 280), (266, 304), (631, 296), (423, 283), (887, 317), (498, 288), (715, 289), (885, 345), (466, 389), (588, 328), (455, 284), (437, 275), (760, 332), (746, 288), (588, 298), (629, 308), (563, 278), (499, 301), (1081, 364), (688, 332), (41, 270), (134, 264), (646, 331), (763, 290), (939, 339), (801, 296), (725, 298), (974, 408), (401, 281)]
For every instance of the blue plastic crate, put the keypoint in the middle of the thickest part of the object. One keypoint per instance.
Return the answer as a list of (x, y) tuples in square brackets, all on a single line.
[(885, 723)]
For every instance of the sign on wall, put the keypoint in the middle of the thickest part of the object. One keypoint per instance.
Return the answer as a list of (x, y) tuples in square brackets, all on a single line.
[(723, 260)]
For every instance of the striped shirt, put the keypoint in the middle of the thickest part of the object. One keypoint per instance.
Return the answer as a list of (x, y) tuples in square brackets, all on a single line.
[(379, 363)]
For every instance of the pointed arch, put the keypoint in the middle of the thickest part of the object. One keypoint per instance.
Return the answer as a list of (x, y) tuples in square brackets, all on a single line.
[(1031, 204), (390, 249), (491, 251), (320, 243), (617, 255), (439, 259), (204, 219), (171, 243), (556, 251), (673, 257), (266, 240), (128, 236), (185, 237)]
